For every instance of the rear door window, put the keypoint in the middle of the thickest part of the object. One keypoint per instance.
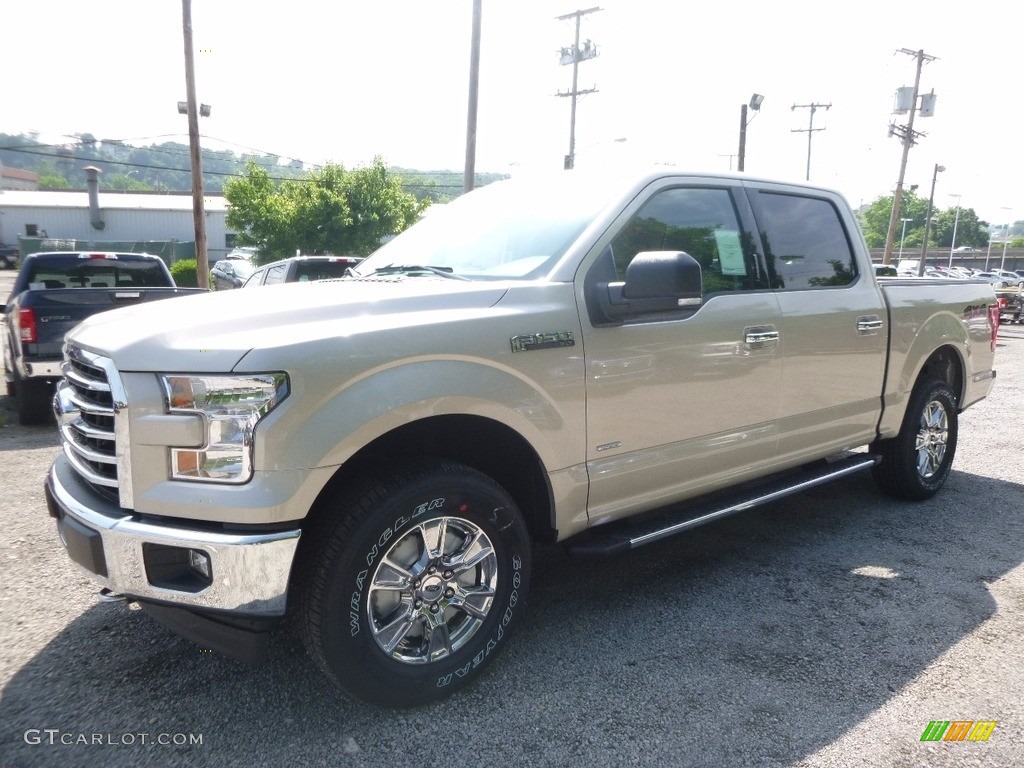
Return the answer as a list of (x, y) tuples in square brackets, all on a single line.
[(806, 245)]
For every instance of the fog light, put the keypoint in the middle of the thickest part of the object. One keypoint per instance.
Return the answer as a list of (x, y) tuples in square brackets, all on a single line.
[(182, 569), (200, 563)]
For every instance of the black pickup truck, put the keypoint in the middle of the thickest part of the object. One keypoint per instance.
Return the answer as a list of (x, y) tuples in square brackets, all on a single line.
[(52, 293)]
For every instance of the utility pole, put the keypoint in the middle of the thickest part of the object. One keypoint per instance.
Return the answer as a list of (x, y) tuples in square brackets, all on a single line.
[(574, 56), (755, 104), (908, 136), (810, 129), (469, 176), (198, 212)]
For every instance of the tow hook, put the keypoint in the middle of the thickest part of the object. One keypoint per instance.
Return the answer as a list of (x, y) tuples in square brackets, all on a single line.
[(106, 596)]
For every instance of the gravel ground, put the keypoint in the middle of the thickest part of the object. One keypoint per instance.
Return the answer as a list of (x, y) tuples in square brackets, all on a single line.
[(824, 630)]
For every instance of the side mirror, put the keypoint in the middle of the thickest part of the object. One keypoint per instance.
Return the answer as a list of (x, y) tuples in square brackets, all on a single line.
[(656, 282)]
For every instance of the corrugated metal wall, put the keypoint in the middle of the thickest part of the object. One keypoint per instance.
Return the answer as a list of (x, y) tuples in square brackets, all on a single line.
[(120, 225)]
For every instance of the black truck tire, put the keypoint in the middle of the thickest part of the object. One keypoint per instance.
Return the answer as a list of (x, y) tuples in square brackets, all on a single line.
[(415, 584), (916, 463)]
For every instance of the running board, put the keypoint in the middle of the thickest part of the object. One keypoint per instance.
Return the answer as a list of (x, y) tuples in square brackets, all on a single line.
[(596, 543)]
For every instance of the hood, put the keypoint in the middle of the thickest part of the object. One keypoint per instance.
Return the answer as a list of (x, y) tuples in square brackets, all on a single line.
[(211, 332)]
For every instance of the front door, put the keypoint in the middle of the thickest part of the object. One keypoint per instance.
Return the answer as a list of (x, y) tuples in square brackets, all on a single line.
[(682, 404)]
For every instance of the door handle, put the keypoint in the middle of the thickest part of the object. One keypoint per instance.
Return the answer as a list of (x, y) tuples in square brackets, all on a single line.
[(761, 336), (869, 325)]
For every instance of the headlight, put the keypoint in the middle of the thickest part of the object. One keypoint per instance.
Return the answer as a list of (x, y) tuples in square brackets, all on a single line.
[(231, 407)]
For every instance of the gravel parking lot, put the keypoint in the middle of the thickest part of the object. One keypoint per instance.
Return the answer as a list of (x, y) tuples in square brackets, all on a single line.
[(824, 630)]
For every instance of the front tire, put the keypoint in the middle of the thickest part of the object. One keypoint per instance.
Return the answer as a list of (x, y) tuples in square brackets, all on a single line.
[(916, 463), (416, 584)]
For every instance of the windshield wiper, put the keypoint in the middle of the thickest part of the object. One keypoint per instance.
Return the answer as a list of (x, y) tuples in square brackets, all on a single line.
[(411, 269)]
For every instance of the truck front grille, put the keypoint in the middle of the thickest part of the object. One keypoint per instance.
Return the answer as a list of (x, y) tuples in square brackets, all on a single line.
[(87, 405)]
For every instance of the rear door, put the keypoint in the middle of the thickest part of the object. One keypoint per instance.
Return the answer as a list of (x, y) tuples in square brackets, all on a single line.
[(681, 404), (833, 336)]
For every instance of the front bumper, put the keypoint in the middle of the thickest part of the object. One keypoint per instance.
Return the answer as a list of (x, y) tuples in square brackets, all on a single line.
[(248, 572)]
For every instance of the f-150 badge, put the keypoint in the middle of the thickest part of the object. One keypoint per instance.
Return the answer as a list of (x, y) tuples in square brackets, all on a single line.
[(544, 340)]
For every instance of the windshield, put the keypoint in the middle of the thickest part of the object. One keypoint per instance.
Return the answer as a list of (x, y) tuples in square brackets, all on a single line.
[(509, 229)]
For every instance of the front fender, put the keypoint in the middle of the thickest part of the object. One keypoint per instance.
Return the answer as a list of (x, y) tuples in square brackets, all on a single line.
[(325, 427)]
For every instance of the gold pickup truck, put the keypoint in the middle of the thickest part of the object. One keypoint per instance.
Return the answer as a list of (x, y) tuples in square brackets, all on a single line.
[(553, 359)]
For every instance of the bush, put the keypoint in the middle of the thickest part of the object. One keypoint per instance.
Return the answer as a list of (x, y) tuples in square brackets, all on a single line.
[(184, 273)]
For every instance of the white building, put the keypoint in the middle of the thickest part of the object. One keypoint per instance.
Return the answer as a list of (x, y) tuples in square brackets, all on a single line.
[(121, 217)]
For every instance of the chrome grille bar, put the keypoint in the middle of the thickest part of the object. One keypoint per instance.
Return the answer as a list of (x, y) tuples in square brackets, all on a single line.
[(93, 432)]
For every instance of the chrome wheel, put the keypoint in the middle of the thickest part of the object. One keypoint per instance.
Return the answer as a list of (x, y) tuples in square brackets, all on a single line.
[(432, 590), (932, 438)]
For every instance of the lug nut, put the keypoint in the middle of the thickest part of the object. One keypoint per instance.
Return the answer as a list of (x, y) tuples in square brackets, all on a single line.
[(433, 607)]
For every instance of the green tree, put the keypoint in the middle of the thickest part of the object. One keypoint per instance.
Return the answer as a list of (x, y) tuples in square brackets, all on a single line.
[(969, 231), (53, 181), (874, 219), (875, 224), (332, 210)]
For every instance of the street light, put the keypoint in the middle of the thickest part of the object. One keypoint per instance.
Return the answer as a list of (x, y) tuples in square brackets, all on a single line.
[(755, 104), (1006, 238), (903, 236), (956, 220), (928, 220)]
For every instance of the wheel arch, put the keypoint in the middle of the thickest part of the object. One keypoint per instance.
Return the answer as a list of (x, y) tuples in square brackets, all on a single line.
[(947, 364), (481, 443)]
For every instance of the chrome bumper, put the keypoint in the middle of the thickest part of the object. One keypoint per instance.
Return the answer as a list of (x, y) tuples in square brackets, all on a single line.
[(48, 369), (248, 572)]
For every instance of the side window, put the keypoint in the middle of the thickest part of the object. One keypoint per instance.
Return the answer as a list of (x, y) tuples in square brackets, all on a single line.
[(806, 244), (700, 221), (276, 274)]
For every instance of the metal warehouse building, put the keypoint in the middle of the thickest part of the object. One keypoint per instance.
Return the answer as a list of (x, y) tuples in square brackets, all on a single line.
[(119, 217)]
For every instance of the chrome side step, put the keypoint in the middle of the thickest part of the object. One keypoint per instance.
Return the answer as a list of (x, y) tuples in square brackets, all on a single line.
[(617, 539)]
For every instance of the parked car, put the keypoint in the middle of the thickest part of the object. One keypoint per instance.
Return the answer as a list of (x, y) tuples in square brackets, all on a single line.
[(301, 269), (961, 272), (9, 256), (1010, 278), (53, 293), (998, 280), (230, 272), (965, 249)]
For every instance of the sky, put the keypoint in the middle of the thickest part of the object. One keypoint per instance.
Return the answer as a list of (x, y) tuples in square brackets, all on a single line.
[(343, 81)]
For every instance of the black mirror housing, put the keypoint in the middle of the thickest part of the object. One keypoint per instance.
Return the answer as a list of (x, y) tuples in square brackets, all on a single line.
[(656, 282)]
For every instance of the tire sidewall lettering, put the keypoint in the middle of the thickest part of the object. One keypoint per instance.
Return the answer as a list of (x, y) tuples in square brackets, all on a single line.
[(499, 633)]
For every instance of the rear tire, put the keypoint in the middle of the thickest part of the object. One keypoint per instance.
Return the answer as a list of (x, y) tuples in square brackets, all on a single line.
[(414, 584), (916, 463), (34, 401)]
